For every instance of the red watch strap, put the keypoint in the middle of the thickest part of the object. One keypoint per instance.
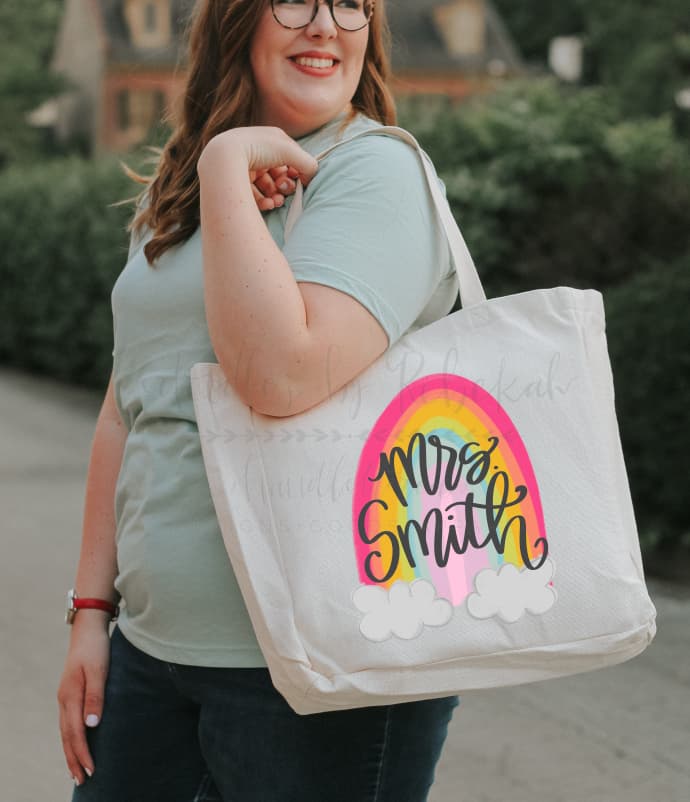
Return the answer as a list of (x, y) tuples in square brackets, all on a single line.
[(99, 604)]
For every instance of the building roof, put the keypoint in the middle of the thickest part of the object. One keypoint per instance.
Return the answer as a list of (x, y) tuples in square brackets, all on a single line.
[(417, 43), (122, 51)]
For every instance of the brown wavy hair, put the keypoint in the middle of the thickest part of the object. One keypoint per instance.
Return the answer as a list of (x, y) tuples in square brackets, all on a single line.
[(219, 94)]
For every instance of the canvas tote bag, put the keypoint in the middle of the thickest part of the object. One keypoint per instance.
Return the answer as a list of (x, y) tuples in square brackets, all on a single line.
[(456, 517)]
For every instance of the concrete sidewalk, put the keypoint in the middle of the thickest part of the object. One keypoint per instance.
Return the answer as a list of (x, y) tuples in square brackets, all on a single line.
[(617, 735)]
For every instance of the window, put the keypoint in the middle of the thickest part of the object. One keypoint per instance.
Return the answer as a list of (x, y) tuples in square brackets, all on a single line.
[(146, 107), (150, 21), (462, 27), (123, 115)]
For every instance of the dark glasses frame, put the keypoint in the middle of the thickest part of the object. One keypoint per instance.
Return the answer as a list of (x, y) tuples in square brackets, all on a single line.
[(329, 3)]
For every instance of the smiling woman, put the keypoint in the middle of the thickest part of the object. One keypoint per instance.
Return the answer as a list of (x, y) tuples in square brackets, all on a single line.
[(286, 58), (181, 695)]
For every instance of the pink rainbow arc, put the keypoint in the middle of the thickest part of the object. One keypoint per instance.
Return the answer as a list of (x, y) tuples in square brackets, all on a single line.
[(458, 411)]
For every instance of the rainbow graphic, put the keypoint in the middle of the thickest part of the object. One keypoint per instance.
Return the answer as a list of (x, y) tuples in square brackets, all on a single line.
[(445, 489)]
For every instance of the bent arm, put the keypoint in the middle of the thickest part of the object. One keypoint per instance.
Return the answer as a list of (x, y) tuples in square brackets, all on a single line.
[(97, 568), (289, 328), (255, 312)]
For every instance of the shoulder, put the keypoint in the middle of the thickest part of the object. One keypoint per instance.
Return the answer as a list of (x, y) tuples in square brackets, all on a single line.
[(380, 160), (382, 147)]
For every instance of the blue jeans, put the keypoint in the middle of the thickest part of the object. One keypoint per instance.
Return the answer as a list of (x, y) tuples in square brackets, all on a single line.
[(176, 733)]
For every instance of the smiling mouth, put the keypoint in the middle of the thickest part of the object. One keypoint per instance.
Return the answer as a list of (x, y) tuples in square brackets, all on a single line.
[(314, 63)]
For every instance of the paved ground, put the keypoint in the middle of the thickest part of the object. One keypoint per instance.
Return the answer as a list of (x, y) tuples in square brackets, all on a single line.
[(617, 735)]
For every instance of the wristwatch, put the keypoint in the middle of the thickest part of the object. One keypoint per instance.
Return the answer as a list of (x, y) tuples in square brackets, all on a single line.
[(74, 603)]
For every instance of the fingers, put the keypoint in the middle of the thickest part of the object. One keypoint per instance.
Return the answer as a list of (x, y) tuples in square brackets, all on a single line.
[(282, 179), (303, 163), (276, 181), (73, 731), (93, 695), (277, 172), (272, 185), (264, 204)]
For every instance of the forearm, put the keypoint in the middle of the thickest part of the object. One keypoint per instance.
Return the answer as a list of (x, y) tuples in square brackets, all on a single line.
[(255, 311), (97, 567)]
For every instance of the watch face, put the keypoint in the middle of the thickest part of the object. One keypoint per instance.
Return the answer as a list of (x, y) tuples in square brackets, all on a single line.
[(70, 610)]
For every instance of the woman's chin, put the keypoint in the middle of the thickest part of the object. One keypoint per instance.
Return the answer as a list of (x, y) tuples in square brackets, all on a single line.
[(304, 117)]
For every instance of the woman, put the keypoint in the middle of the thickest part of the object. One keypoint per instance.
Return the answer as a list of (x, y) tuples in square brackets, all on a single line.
[(179, 704)]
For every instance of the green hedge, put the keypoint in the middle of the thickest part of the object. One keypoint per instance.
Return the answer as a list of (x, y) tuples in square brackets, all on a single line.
[(649, 346), (63, 248), (551, 185)]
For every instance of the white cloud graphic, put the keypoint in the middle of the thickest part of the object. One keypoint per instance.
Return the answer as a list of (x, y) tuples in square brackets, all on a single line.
[(403, 611), (509, 592)]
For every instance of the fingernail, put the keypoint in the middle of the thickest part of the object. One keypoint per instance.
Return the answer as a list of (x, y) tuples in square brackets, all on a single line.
[(91, 720), (283, 186), (76, 781), (88, 771)]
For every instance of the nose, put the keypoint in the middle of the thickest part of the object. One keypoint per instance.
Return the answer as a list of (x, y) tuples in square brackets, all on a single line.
[(323, 24)]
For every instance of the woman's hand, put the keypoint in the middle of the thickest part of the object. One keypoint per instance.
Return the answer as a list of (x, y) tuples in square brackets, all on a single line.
[(82, 688), (271, 186), (268, 153)]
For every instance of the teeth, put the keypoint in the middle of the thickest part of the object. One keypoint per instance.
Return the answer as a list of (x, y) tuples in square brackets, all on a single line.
[(315, 62)]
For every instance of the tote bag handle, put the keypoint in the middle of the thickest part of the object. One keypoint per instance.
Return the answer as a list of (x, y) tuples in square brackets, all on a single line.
[(471, 290)]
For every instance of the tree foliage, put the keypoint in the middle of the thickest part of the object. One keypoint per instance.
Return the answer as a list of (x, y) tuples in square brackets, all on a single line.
[(64, 244), (27, 35), (641, 48), (552, 184), (649, 344)]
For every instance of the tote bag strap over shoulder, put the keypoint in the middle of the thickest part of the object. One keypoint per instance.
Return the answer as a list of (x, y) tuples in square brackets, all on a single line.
[(471, 290)]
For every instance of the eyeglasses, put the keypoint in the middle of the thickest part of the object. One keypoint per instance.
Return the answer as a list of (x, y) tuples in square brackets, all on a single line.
[(349, 15)]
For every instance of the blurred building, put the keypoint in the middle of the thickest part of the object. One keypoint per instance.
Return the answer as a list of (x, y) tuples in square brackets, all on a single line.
[(456, 48), (122, 57), (125, 59)]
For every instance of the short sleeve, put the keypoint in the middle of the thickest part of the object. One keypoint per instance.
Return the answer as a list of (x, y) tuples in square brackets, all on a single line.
[(136, 240), (369, 228)]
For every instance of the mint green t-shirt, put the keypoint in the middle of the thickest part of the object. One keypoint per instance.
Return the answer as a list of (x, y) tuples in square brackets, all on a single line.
[(368, 228)]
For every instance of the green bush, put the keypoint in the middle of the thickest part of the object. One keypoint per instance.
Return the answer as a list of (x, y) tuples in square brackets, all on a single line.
[(638, 48), (551, 185), (63, 248), (649, 345)]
